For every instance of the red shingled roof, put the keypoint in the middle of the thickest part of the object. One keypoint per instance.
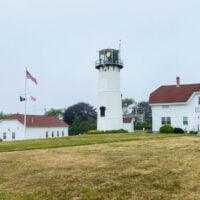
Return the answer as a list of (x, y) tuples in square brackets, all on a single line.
[(127, 120), (173, 94), (39, 120)]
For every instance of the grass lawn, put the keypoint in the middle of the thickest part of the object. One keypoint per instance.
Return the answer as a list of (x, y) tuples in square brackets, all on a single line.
[(78, 141), (114, 166)]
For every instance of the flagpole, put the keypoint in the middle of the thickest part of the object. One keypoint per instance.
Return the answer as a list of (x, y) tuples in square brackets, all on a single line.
[(25, 95), (119, 49)]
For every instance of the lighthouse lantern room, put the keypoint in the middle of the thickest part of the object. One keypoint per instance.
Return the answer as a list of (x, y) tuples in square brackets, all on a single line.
[(109, 92)]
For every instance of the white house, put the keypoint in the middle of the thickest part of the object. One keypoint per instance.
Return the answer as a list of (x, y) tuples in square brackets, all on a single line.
[(37, 127), (177, 105)]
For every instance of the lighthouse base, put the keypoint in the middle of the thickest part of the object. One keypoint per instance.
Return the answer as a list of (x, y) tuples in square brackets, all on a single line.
[(105, 124)]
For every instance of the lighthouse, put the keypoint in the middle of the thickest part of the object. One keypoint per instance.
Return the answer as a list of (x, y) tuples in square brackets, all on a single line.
[(109, 91)]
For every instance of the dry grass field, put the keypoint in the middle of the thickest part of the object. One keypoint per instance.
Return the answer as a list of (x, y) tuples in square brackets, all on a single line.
[(146, 169)]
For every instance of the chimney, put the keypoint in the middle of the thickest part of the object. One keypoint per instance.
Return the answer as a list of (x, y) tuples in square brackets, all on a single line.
[(32, 120), (177, 81)]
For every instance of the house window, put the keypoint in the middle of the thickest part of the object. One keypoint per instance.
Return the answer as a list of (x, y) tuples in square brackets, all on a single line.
[(162, 120), (63, 133), (168, 120), (4, 136), (165, 120), (185, 120), (57, 133), (199, 100), (52, 134), (13, 135), (46, 134)]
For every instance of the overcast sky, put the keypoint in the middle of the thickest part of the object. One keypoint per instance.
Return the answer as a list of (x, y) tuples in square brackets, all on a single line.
[(58, 41)]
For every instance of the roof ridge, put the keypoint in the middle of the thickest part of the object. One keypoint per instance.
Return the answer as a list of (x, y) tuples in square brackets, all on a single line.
[(39, 120), (173, 94), (180, 85)]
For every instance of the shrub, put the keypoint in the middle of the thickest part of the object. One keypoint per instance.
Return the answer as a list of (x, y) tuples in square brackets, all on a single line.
[(1, 140), (108, 131), (95, 132), (193, 132), (123, 131), (140, 125), (116, 131), (166, 129), (178, 130)]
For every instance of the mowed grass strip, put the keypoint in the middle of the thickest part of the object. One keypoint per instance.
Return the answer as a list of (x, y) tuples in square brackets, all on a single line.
[(141, 169), (78, 140)]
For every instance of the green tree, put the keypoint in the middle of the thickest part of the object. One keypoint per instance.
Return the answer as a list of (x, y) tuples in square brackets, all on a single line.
[(74, 128), (89, 124), (140, 125), (81, 117), (126, 103), (84, 110), (55, 113), (2, 115), (80, 126)]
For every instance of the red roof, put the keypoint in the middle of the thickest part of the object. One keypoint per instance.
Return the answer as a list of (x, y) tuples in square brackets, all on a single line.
[(39, 120), (127, 120), (173, 93)]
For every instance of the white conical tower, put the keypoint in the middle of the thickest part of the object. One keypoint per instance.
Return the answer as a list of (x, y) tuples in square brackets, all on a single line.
[(109, 92)]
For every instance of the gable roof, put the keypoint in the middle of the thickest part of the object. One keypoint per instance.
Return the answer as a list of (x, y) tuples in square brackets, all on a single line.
[(38, 120), (173, 93)]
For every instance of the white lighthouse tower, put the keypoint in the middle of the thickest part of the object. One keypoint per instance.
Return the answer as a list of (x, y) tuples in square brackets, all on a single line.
[(109, 92)]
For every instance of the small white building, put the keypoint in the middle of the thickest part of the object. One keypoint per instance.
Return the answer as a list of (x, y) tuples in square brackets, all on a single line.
[(128, 124), (177, 105), (37, 127)]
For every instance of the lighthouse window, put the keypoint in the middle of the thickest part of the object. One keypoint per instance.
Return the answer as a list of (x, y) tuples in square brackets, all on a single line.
[(115, 56), (102, 111), (101, 58)]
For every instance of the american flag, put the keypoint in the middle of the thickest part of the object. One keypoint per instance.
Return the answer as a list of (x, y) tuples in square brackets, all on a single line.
[(29, 76), (33, 98)]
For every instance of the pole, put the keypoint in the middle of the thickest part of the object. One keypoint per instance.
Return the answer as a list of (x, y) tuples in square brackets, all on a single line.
[(25, 95), (119, 49)]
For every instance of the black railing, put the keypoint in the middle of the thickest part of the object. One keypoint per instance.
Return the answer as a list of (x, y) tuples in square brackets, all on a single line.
[(100, 63)]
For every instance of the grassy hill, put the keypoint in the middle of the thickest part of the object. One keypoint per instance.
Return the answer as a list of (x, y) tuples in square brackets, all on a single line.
[(114, 166)]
